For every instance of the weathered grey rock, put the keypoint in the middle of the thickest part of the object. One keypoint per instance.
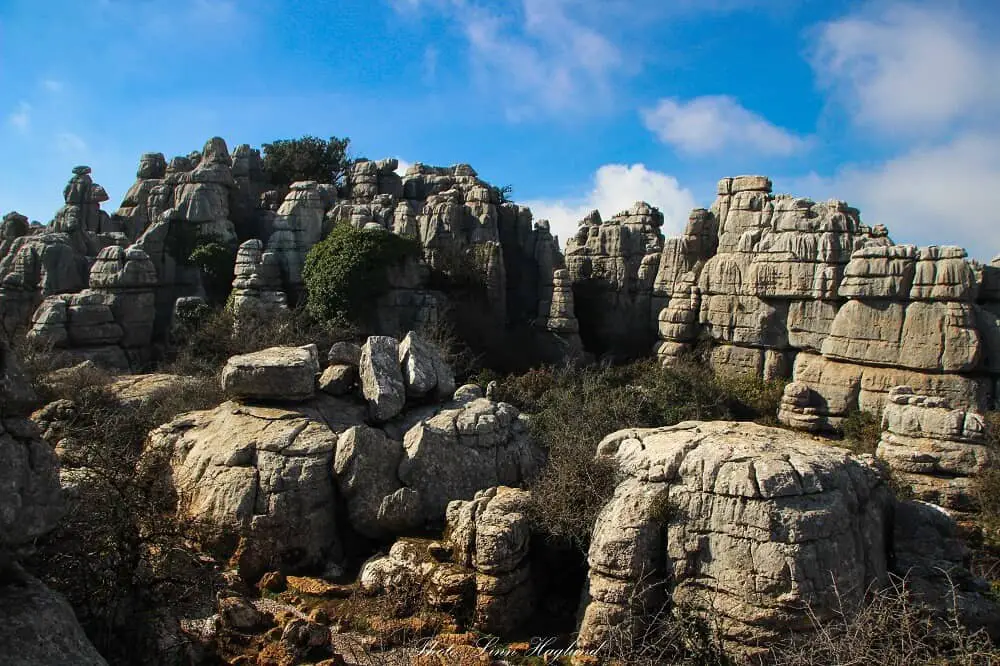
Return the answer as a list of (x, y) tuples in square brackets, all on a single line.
[(469, 445), (257, 287), (338, 379), (40, 628), (381, 378), (618, 259), (780, 514), (490, 535), (403, 571), (935, 450), (344, 353), (276, 373), (365, 469), (425, 371), (260, 474)]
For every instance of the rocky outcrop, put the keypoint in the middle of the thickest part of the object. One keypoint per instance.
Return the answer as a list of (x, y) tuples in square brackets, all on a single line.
[(911, 321), (490, 534), (261, 478), (40, 628), (258, 292), (754, 524), (299, 225), (135, 213), (282, 374), (382, 378), (934, 450), (111, 323), (82, 212), (613, 265)]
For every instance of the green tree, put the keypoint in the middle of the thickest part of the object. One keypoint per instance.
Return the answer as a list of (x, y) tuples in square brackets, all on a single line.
[(308, 158), (346, 271)]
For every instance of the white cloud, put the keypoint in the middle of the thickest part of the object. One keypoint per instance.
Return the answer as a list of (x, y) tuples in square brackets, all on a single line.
[(53, 85), (70, 144), (20, 119), (616, 188), (717, 123), (403, 166), (543, 58), (943, 195), (909, 68)]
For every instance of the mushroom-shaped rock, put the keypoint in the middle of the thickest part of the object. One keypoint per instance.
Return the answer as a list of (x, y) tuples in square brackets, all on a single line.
[(276, 373)]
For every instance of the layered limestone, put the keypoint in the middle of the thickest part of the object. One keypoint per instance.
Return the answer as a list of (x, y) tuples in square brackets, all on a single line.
[(768, 287), (258, 292), (261, 478), (110, 323), (935, 450), (490, 535), (135, 212), (300, 223), (613, 265), (750, 523), (281, 374), (911, 319)]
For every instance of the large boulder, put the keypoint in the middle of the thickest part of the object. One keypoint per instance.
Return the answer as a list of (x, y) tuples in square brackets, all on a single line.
[(276, 373), (40, 628), (764, 528), (260, 478), (467, 446), (381, 377), (425, 370)]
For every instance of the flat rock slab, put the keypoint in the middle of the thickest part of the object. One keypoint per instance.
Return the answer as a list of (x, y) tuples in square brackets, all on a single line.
[(277, 373)]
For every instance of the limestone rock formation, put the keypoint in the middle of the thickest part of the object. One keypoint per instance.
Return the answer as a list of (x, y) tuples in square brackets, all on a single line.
[(749, 521), (262, 475), (277, 374), (381, 377), (82, 212), (613, 265), (258, 292), (467, 446), (935, 450), (425, 371), (135, 213), (40, 628), (490, 534)]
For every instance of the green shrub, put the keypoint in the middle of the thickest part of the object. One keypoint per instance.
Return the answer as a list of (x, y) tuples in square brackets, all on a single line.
[(861, 431), (572, 409), (308, 158), (347, 271), (216, 262)]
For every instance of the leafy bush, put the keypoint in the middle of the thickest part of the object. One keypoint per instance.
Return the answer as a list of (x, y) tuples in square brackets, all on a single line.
[(572, 409), (347, 271), (217, 263), (308, 158), (861, 431)]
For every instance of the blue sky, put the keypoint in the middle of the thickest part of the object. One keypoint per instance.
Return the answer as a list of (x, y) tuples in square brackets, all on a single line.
[(892, 106)]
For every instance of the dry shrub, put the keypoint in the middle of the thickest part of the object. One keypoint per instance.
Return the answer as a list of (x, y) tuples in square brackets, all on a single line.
[(204, 347), (572, 409), (861, 431), (890, 629), (119, 555)]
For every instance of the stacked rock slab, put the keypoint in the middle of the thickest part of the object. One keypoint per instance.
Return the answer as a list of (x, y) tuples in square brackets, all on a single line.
[(13, 226), (257, 287), (770, 288), (764, 528), (910, 320), (83, 198), (936, 451), (613, 265), (298, 226), (111, 323), (135, 213), (490, 534), (40, 628)]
